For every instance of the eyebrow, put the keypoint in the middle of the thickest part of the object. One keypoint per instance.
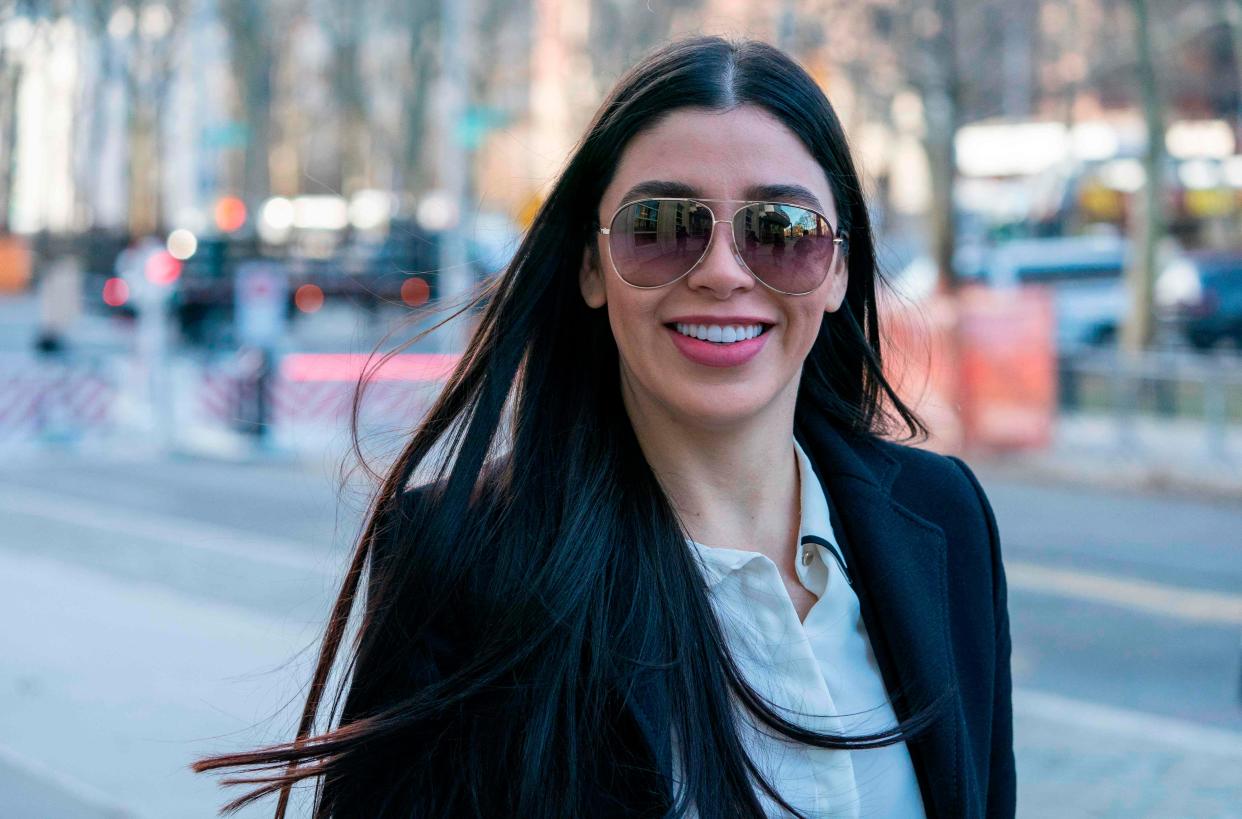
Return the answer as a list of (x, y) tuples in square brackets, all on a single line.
[(785, 192)]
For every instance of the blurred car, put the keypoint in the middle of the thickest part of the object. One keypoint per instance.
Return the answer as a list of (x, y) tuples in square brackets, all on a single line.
[(917, 280), (203, 305), (1085, 274), (1199, 297)]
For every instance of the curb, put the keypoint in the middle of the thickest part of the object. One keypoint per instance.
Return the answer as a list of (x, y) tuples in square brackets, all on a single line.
[(1221, 482)]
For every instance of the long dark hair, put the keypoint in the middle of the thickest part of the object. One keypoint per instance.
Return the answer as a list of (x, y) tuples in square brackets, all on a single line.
[(511, 612)]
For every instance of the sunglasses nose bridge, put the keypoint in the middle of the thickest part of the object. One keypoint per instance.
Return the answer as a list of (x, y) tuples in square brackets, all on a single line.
[(732, 237), (732, 247)]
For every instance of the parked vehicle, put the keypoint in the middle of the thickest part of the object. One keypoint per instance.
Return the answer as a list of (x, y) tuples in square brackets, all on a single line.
[(1085, 274), (916, 281), (1199, 297)]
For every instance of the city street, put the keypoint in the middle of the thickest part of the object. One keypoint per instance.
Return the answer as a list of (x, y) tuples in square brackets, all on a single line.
[(237, 237), (160, 610)]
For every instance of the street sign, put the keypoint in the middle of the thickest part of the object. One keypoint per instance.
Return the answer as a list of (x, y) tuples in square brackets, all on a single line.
[(261, 299), (476, 122), (225, 135)]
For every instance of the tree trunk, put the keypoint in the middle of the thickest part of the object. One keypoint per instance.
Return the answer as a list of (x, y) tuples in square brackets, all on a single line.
[(251, 63), (350, 104), (92, 106), (143, 213), (415, 174), (10, 83), (942, 112), (1231, 12), (1147, 225)]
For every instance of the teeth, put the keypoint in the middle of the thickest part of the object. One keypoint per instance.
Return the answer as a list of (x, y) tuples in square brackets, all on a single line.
[(719, 333)]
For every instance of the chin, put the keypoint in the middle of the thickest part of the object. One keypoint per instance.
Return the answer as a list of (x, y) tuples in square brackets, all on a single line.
[(719, 408), (696, 403)]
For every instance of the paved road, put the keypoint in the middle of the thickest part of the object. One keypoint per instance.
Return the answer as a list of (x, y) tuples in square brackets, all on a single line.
[(159, 610), (1126, 616)]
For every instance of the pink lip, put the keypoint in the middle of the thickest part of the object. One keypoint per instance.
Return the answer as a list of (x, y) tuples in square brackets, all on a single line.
[(712, 354)]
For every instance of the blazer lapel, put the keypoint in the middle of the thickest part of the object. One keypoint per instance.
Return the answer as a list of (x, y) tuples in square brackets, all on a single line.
[(898, 563)]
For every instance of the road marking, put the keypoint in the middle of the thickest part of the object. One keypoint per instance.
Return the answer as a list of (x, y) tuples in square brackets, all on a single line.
[(1146, 728), (183, 532), (88, 796), (1219, 608)]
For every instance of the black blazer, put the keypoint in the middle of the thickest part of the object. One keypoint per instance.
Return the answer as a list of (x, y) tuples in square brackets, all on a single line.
[(922, 546), (921, 541)]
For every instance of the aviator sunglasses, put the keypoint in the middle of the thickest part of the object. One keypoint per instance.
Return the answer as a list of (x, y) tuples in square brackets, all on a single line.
[(788, 248)]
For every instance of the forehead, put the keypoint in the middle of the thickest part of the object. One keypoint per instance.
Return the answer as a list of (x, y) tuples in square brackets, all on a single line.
[(743, 153)]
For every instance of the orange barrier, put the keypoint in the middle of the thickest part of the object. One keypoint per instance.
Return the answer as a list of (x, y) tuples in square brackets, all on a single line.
[(979, 369), (1008, 366), (14, 264)]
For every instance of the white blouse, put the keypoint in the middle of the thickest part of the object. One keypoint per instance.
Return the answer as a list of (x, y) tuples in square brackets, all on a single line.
[(822, 670)]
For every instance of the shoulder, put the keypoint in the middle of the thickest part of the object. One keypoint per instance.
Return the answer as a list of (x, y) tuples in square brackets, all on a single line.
[(945, 492), (942, 488)]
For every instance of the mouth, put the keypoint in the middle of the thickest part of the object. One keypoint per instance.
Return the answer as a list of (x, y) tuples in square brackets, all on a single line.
[(723, 335)]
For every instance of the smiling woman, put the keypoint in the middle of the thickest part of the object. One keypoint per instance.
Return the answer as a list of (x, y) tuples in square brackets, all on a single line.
[(653, 551), (747, 164)]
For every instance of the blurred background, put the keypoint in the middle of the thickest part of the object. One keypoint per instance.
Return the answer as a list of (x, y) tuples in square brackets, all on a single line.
[(212, 211)]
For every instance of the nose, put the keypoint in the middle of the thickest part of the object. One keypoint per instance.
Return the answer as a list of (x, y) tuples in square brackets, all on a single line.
[(720, 271)]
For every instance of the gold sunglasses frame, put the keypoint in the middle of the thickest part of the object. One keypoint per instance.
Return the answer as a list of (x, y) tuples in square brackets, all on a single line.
[(840, 238)]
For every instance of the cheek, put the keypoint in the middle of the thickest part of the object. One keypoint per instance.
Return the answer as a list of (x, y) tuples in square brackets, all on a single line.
[(811, 315), (807, 326), (632, 320)]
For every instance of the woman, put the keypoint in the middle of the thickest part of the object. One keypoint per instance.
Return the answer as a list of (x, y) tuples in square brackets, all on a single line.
[(659, 559)]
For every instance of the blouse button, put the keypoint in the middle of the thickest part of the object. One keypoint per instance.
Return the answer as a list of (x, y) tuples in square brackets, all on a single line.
[(807, 556)]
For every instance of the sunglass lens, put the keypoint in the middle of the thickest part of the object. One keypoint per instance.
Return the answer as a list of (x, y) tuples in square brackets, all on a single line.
[(655, 241), (789, 248)]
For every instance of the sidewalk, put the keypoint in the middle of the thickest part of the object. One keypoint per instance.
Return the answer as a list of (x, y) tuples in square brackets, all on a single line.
[(1145, 453), (1079, 759), (31, 792)]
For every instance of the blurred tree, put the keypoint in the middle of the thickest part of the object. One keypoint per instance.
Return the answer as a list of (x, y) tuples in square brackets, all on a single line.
[(915, 45), (10, 82), (252, 50), (1231, 13), (623, 30), (93, 17), (1148, 227), (21, 23), (348, 27), (936, 74), (370, 137), (146, 33), (421, 21)]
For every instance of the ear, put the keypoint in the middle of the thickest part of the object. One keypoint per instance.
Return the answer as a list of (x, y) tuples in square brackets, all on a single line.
[(838, 282), (591, 278)]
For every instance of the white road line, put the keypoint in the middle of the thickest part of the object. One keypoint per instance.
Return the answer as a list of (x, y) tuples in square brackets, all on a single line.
[(182, 532), (1124, 723), (1219, 608), (88, 796)]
